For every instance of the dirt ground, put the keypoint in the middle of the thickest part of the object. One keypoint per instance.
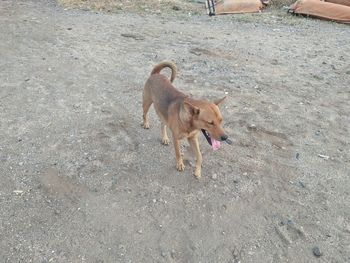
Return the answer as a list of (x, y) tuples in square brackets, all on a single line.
[(81, 181)]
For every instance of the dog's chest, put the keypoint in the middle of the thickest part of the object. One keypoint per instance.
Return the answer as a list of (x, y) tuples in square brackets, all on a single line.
[(189, 134)]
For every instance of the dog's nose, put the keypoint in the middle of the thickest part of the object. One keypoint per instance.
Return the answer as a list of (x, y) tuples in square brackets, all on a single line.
[(224, 137)]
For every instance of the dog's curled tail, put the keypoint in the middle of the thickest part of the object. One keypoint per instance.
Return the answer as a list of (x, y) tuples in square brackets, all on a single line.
[(165, 64)]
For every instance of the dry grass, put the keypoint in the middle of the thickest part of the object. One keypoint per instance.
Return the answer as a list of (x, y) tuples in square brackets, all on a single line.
[(149, 6), (280, 3), (143, 6)]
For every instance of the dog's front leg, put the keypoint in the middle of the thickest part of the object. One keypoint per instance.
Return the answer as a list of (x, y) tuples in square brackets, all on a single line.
[(179, 163), (193, 141), (165, 139)]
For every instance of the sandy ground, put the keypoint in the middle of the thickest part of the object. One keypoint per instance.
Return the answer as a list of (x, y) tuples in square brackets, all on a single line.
[(81, 181)]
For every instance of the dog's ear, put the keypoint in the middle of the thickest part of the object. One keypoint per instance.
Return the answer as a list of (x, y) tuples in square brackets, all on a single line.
[(193, 110), (219, 101)]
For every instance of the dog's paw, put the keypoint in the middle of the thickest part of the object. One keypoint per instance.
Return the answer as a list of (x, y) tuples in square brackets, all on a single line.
[(197, 173), (180, 166), (145, 125), (165, 141)]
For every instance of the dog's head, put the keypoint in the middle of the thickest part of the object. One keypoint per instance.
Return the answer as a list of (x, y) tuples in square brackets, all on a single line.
[(206, 116)]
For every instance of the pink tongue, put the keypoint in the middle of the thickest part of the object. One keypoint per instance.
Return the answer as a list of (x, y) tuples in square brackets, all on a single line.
[(215, 144)]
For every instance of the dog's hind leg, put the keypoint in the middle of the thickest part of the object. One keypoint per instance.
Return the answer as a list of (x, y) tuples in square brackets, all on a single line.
[(146, 104), (165, 138)]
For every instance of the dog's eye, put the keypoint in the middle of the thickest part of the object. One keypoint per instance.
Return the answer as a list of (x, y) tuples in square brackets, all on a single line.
[(210, 122)]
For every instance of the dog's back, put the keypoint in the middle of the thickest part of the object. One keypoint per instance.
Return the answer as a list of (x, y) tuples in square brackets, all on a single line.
[(160, 91)]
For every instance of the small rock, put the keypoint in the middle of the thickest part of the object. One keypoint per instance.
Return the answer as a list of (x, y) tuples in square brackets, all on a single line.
[(176, 8), (316, 251), (326, 157), (297, 156), (69, 28), (252, 127), (231, 81), (163, 254), (214, 176), (154, 200), (139, 231), (18, 192)]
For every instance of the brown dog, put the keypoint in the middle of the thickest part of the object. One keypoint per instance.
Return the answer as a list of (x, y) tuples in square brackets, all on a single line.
[(184, 116)]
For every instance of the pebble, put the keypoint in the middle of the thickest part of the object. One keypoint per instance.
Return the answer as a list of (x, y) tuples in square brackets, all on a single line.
[(139, 231), (231, 81), (252, 127), (316, 251), (326, 157), (214, 176), (18, 192)]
